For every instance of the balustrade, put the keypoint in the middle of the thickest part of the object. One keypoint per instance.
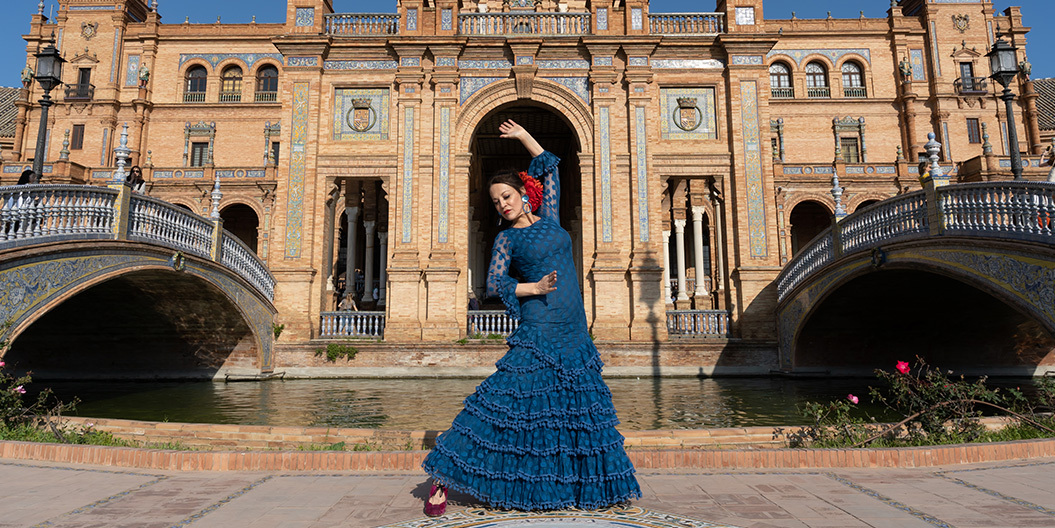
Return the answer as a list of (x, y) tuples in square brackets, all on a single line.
[(152, 220), (713, 323), (686, 23), (855, 92), (900, 217), (483, 323), (816, 255), (819, 93), (529, 23), (352, 324), (782, 93), (362, 24), (238, 257), (42, 211), (1016, 210), (971, 85)]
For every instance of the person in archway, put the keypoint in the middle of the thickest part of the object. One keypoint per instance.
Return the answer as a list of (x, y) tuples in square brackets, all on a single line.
[(538, 434)]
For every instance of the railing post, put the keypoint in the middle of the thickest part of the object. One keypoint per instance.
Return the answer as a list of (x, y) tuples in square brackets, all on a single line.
[(123, 203), (216, 251), (931, 180)]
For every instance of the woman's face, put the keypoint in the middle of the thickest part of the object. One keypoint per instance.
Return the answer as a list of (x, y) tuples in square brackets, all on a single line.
[(507, 201)]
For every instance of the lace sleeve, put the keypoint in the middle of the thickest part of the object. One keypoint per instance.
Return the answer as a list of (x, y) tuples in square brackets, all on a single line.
[(544, 167), (499, 283)]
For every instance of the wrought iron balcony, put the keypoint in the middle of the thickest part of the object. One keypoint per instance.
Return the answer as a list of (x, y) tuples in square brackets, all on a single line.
[(855, 92), (362, 24), (266, 97), (529, 23), (782, 93), (80, 92), (822, 92), (194, 97), (971, 86), (230, 97), (686, 23)]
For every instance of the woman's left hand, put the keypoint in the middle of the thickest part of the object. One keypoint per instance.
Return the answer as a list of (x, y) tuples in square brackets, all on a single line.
[(546, 284)]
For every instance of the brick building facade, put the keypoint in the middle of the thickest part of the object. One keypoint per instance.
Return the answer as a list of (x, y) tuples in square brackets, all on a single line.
[(698, 149)]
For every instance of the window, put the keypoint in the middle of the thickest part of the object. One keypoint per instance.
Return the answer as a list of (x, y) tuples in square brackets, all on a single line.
[(198, 154), (231, 85), (853, 81), (850, 149), (267, 84), (817, 80), (83, 89), (274, 152), (197, 79), (974, 133), (780, 81), (968, 83), (77, 137)]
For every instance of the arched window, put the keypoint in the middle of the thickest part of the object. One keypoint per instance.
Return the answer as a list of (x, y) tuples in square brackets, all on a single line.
[(231, 87), (853, 81), (780, 81), (817, 80), (196, 81), (267, 84)]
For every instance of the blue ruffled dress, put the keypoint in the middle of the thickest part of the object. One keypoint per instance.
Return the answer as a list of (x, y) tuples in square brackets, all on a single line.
[(538, 434)]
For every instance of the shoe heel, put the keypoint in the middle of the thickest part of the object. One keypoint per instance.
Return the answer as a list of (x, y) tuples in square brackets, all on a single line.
[(435, 510)]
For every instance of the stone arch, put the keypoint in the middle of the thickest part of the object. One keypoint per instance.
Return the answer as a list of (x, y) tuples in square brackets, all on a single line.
[(855, 203), (239, 224), (563, 101), (266, 61), (787, 60), (49, 282), (806, 219)]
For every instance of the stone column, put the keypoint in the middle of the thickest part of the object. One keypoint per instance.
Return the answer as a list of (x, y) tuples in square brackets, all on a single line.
[(697, 238), (666, 266), (368, 271), (383, 277), (719, 242), (350, 235), (679, 240)]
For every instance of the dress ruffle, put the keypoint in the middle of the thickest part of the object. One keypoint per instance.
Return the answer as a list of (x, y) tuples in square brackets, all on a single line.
[(543, 164), (540, 432)]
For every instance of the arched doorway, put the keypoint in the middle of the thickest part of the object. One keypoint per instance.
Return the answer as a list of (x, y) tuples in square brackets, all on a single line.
[(242, 222), (808, 219), (491, 153)]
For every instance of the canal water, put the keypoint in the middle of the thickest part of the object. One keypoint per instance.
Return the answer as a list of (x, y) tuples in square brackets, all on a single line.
[(431, 404)]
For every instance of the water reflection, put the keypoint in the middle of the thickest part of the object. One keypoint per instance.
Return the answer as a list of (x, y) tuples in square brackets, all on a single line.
[(431, 404)]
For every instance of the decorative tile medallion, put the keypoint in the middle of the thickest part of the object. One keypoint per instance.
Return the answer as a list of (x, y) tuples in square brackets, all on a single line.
[(447, 62), (445, 166), (745, 16), (638, 61), (919, 71), (297, 169), (412, 19), (629, 517), (360, 65), (525, 61), (636, 18), (835, 55), (305, 17), (579, 85), (486, 64), (602, 61), (446, 19), (406, 200), (641, 152), (360, 114), (747, 60), (132, 71), (470, 85), (756, 208), (606, 175), (249, 59), (688, 113), (602, 19), (302, 61)]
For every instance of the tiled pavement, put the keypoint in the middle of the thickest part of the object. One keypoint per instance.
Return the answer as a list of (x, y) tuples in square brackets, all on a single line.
[(1011, 494)]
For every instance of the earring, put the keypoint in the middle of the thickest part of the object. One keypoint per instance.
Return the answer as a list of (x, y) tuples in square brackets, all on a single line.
[(527, 203)]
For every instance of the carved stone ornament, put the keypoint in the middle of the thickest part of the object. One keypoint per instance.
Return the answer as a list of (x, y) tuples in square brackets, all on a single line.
[(362, 116), (688, 116), (961, 22), (89, 29)]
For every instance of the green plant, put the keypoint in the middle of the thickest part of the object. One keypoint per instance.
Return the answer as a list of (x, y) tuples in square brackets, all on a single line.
[(277, 329), (462, 341), (16, 413), (334, 351), (339, 446)]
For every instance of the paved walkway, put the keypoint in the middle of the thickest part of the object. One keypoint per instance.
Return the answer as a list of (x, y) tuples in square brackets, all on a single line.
[(1011, 494)]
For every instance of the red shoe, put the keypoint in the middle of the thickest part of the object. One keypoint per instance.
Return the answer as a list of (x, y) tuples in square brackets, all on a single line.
[(436, 504)]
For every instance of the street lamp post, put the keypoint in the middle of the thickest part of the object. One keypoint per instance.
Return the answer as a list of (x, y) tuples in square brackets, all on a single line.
[(1004, 66), (49, 75)]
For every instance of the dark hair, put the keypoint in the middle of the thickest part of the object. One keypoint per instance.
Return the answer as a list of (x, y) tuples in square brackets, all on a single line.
[(133, 178), (26, 178), (509, 177)]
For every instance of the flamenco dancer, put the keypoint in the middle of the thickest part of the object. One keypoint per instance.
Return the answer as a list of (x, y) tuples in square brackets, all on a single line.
[(538, 434)]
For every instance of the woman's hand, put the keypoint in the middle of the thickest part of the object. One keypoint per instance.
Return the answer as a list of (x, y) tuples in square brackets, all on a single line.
[(546, 284), (511, 130)]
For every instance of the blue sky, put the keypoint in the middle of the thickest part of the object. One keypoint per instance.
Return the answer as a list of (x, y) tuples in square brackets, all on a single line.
[(16, 21)]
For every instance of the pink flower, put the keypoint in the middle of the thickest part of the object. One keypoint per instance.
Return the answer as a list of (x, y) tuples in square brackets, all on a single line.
[(902, 367), (2, 363), (853, 399), (19, 390)]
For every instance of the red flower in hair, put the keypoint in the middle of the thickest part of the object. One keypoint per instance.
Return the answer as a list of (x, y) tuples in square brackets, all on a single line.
[(534, 190)]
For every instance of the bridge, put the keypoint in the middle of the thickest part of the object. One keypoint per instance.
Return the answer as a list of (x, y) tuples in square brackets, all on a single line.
[(101, 279), (962, 275)]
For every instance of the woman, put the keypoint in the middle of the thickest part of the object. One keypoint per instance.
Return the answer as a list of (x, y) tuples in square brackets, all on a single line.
[(135, 179), (539, 433)]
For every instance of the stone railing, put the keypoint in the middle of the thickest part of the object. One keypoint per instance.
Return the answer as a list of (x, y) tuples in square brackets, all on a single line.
[(362, 24), (157, 222), (529, 23), (1008, 210), (33, 214), (238, 257), (40, 212), (782, 93), (484, 323), (855, 92), (352, 324), (686, 23), (713, 323)]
